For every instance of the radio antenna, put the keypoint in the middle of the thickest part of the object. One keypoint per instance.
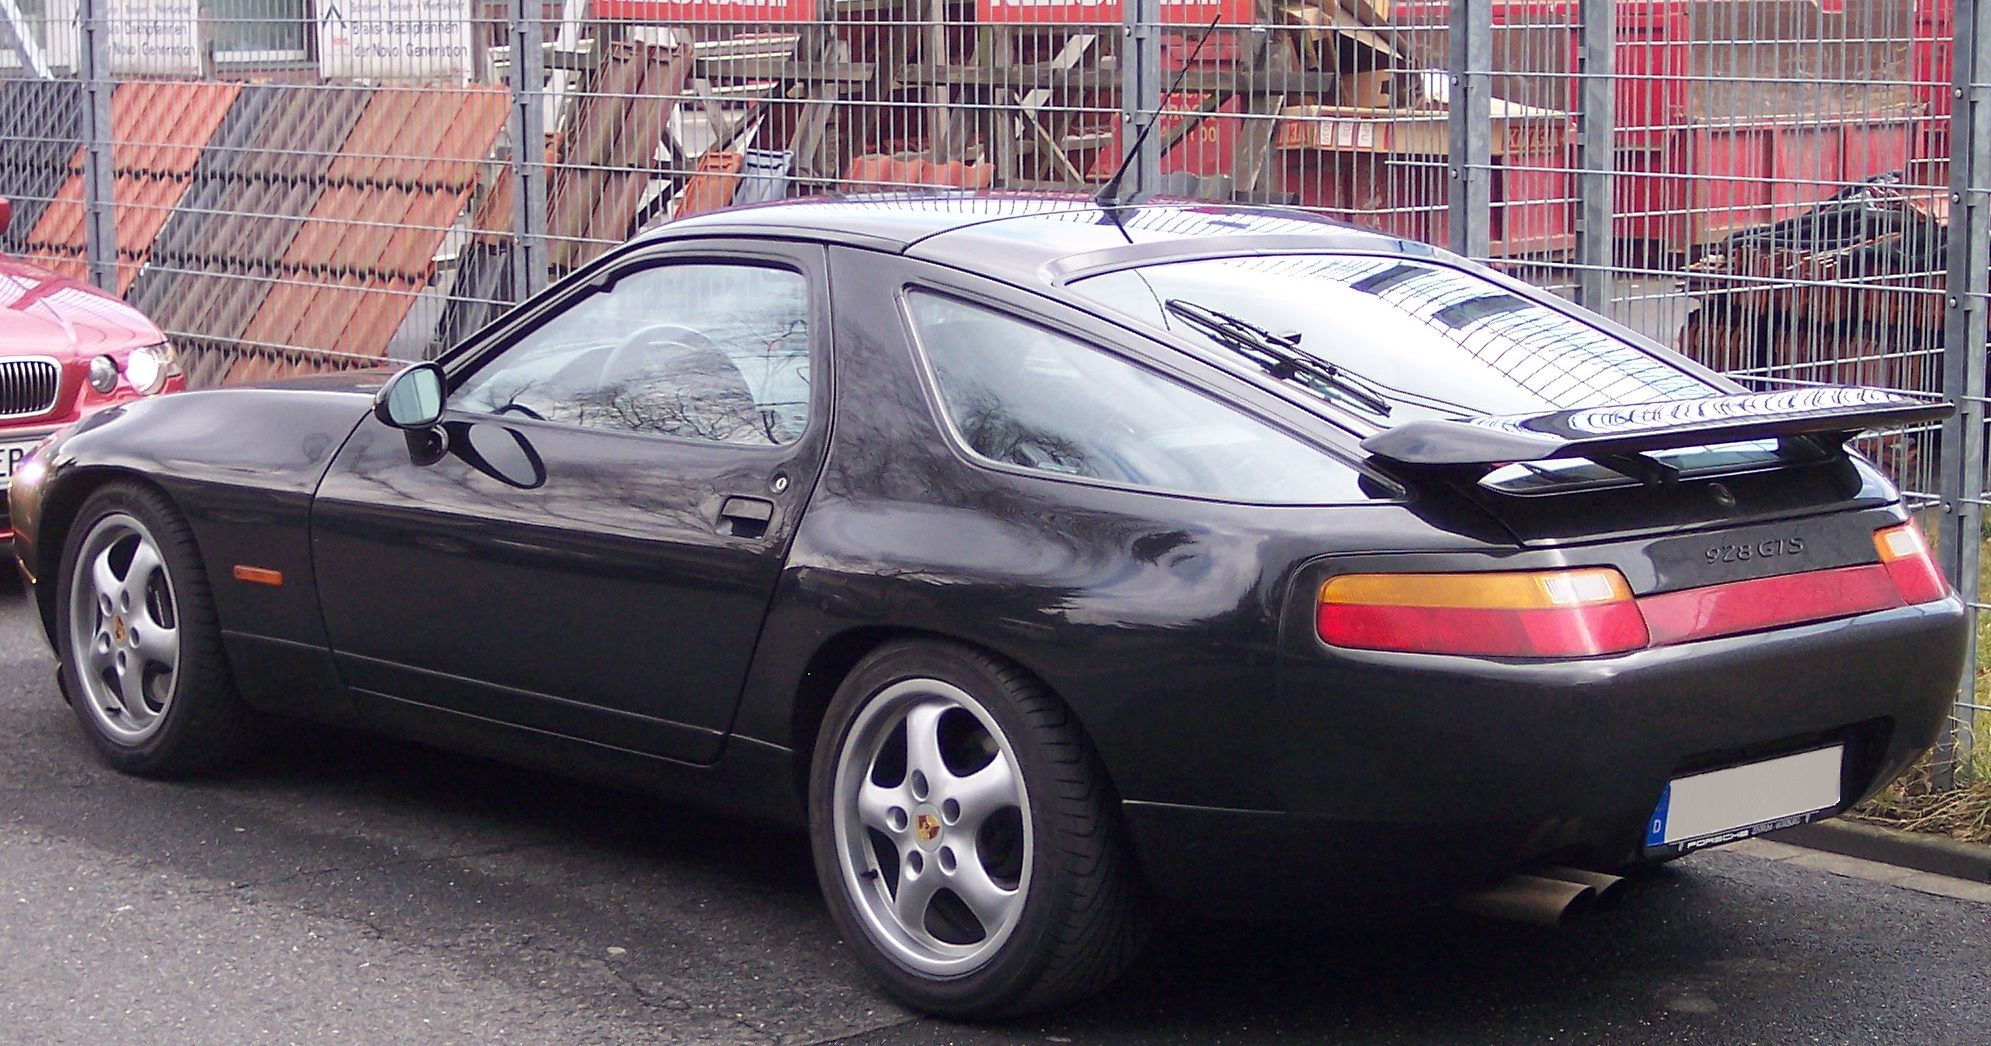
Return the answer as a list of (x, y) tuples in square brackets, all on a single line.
[(1109, 194)]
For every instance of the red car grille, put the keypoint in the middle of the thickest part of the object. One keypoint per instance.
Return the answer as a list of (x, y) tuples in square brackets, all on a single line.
[(28, 387)]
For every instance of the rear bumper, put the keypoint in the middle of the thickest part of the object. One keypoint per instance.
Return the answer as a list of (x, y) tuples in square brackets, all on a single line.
[(1402, 778)]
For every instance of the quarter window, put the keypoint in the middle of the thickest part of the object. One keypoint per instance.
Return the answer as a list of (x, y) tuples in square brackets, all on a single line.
[(1020, 395), (714, 352)]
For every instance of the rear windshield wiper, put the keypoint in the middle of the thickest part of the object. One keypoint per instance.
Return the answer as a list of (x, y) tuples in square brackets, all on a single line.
[(1280, 356)]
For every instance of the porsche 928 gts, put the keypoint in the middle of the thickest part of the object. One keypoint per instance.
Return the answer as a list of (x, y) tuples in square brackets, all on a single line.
[(1045, 560)]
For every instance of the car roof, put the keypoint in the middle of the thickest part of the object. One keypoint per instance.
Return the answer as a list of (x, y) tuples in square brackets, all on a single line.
[(1032, 237)]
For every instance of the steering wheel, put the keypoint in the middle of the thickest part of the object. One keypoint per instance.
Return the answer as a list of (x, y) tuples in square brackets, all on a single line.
[(628, 355)]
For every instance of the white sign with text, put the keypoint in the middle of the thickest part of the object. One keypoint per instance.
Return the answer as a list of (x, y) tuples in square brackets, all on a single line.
[(155, 36), (146, 36), (394, 39)]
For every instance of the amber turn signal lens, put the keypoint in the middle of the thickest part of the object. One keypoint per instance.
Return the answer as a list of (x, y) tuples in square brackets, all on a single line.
[(259, 575), (1531, 590)]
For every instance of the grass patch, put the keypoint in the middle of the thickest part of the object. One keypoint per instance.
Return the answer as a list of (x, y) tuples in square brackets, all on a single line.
[(1912, 804), (1963, 812)]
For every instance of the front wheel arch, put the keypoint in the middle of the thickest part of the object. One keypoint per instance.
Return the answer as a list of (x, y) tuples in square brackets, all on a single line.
[(59, 508)]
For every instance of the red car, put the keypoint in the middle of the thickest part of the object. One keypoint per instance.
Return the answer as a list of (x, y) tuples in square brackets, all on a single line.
[(66, 351)]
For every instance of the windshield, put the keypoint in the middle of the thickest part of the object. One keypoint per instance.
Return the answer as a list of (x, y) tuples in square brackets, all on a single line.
[(1445, 343)]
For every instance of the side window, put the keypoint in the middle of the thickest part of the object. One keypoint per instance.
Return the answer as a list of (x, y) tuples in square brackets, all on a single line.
[(708, 351), (1021, 395)]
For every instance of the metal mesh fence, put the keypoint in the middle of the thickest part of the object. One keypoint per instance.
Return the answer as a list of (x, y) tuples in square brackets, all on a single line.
[(1787, 190)]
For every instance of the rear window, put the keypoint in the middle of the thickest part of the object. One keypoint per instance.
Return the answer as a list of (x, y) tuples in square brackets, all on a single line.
[(1416, 340), (1437, 342)]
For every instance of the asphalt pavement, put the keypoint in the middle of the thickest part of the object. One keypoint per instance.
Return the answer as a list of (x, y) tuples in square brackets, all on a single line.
[(350, 889)]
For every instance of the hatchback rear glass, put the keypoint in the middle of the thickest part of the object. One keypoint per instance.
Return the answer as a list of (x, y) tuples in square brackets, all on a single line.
[(1431, 340)]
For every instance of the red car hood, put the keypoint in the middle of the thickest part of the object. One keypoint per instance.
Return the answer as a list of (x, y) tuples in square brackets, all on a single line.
[(45, 314)]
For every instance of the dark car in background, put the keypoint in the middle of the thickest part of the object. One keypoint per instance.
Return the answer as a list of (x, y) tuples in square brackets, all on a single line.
[(66, 350), (1046, 560)]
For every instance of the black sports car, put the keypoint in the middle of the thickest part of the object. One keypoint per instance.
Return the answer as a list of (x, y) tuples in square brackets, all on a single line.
[(1046, 559)]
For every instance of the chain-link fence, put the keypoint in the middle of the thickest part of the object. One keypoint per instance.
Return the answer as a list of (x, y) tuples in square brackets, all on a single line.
[(1789, 190)]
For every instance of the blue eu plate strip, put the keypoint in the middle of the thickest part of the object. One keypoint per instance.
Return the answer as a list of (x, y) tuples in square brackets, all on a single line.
[(1655, 829)]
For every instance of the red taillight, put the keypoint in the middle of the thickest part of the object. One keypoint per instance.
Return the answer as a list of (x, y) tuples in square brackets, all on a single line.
[(1767, 602), (1544, 613), (1590, 610), (1906, 557)]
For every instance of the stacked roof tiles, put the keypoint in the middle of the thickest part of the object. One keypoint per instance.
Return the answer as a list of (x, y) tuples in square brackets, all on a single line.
[(215, 260), (345, 282), (40, 128), (159, 129), (291, 221)]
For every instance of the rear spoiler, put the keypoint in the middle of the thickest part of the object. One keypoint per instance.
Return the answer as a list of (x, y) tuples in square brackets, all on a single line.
[(1608, 432)]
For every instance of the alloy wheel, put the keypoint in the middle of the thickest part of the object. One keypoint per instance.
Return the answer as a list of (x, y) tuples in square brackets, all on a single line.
[(124, 628), (932, 827)]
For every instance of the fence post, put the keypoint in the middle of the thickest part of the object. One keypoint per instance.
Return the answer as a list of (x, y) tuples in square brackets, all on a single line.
[(1140, 94), (1470, 112), (1965, 285), (527, 127), (1595, 157), (100, 231)]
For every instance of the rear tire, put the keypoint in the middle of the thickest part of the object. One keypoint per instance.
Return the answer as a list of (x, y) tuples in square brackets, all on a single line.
[(966, 838), (140, 644)]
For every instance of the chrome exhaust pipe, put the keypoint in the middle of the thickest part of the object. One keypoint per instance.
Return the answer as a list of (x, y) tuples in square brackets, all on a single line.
[(1529, 899), (1607, 886)]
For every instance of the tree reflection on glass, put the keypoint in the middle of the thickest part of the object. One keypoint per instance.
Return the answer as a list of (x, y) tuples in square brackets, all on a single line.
[(697, 351), (998, 434), (1020, 394)]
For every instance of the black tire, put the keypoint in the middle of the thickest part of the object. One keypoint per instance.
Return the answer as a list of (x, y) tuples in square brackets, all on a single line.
[(1082, 920), (204, 725)]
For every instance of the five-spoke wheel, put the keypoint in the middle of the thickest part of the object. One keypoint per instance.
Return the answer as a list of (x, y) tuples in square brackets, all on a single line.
[(124, 624), (965, 835), (139, 641), (933, 826)]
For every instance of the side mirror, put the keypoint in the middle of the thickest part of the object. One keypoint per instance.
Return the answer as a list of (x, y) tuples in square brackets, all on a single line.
[(412, 399), (6, 213)]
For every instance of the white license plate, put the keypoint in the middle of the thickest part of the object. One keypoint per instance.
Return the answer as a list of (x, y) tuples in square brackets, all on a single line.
[(11, 453), (1739, 801)]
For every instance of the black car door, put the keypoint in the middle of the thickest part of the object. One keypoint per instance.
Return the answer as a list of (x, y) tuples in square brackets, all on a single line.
[(590, 545)]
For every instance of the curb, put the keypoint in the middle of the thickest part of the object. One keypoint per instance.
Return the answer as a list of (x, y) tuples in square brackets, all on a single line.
[(1922, 852)]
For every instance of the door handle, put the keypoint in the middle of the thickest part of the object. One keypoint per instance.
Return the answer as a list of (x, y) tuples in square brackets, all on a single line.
[(744, 517)]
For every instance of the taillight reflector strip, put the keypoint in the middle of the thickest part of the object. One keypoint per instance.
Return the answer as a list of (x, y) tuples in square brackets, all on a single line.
[(1767, 602)]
